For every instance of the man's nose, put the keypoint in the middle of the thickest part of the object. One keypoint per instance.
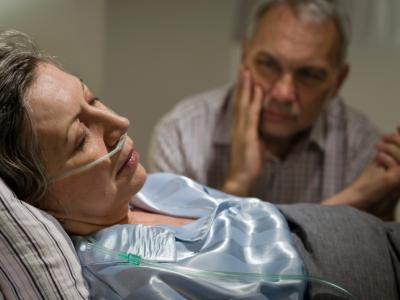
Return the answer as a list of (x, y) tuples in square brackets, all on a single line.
[(284, 89)]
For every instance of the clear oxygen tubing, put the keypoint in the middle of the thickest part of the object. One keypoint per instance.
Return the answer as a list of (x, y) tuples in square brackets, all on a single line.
[(79, 169), (137, 261)]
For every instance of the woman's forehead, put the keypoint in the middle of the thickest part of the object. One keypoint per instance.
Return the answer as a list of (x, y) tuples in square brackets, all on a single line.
[(54, 100), (54, 94), (51, 82)]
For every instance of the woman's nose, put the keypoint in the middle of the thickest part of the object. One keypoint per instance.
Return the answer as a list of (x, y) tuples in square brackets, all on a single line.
[(114, 128)]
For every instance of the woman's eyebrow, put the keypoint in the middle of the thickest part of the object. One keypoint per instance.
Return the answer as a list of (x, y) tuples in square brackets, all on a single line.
[(83, 91), (82, 85), (72, 121)]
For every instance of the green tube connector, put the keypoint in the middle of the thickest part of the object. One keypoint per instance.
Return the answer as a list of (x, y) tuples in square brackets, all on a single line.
[(130, 258)]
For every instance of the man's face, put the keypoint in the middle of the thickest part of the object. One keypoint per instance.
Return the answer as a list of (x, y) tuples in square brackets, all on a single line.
[(295, 62)]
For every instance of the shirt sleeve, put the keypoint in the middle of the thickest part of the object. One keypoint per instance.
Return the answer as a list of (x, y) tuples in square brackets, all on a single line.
[(166, 153), (363, 151)]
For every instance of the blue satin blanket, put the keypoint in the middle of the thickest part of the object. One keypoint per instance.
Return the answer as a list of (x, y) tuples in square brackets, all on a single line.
[(229, 234)]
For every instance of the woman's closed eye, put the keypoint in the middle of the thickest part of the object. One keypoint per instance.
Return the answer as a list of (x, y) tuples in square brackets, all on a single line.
[(84, 132), (82, 140), (98, 104), (93, 101)]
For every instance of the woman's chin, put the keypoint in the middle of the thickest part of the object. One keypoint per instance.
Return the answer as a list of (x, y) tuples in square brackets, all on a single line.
[(139, 178)]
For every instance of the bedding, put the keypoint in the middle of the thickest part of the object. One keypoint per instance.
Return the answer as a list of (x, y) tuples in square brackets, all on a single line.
[(37, 259), (343, 245), (227, 235), (340, 244)]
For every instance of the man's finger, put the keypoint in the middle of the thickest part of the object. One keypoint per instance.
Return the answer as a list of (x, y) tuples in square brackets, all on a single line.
[(393, 138), (386, 160), (390, 149), (242, 90), (242, 99), (254, 109)]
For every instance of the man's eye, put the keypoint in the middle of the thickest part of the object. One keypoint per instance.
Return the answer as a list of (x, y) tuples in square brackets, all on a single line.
[(269, 64), (309, 74)]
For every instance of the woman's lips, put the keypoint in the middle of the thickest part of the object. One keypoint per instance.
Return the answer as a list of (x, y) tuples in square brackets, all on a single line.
[(131, 162)]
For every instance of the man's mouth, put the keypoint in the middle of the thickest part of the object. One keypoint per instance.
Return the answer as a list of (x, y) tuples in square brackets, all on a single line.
[(274, 116)]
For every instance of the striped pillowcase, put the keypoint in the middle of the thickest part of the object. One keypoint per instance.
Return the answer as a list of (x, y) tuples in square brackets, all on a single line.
[(37, 259)]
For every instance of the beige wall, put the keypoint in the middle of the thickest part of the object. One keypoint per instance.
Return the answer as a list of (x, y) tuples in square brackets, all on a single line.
[(71, 30), (374, 85)]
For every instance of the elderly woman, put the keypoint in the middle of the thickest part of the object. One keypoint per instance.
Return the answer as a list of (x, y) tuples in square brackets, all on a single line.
[(63, 151)]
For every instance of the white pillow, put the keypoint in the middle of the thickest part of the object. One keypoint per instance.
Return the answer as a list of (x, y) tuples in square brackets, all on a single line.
[(37, 258)]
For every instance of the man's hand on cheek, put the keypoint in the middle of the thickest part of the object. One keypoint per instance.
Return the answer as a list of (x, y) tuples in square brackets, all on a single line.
[(247, 149)]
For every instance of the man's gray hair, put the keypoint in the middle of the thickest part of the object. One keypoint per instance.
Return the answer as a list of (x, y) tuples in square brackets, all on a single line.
[(21, 166), (312, 10)]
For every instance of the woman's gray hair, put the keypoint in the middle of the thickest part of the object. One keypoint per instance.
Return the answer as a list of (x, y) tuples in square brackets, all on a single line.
[(312, 10), (21, 166)]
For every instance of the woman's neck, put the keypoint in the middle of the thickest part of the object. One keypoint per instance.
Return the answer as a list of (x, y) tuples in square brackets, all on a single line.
[(136, 216), (88, 225), (139, 216)]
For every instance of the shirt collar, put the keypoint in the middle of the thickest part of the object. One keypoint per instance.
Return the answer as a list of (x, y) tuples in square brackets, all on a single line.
[(319, 133)]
